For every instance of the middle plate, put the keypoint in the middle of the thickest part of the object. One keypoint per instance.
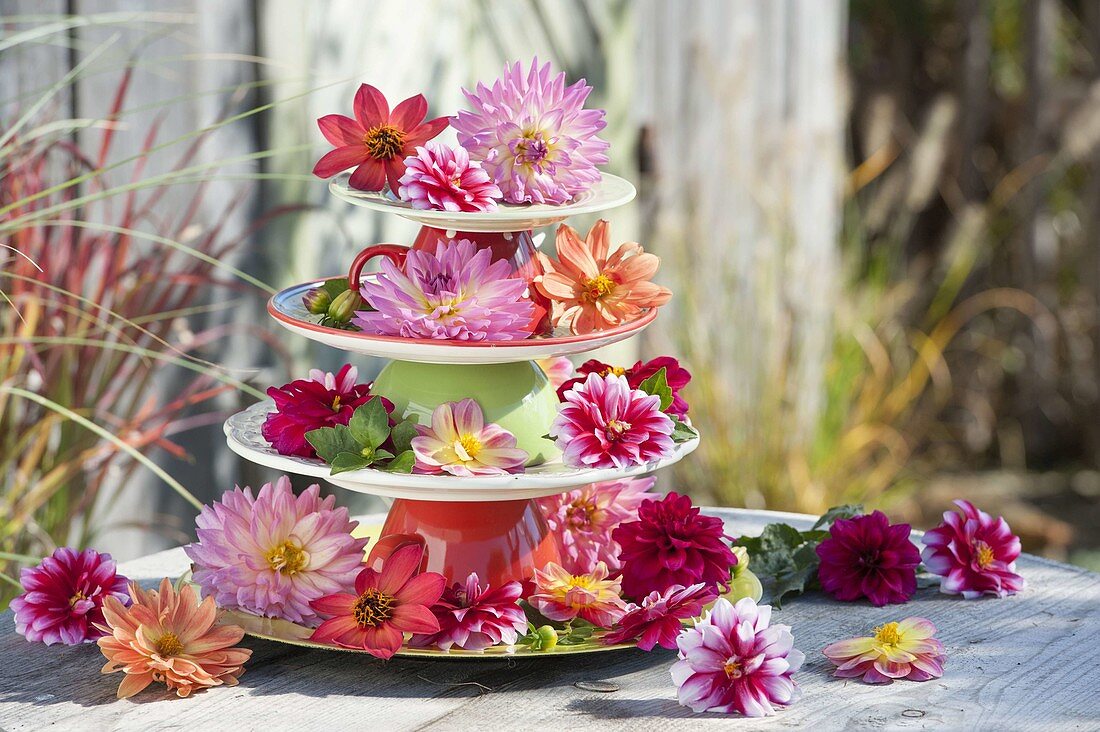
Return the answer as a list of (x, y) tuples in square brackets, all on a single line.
[(242, 432)]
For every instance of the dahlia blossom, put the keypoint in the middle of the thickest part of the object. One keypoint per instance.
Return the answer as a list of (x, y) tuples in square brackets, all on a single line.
[(676, 376), (456, 294), (584, 518), (443, 179), (592, 288), (533, 135), (273, 554), (604, 423), (558, 369), (733, 660), (657, 621), (473, 617), (170, 637), (460, 443), (62, 600), (322, 400), (867, 557), (386, 605), (902, 650), (671, 543), (974, 553), (377, 141), (563, 596)]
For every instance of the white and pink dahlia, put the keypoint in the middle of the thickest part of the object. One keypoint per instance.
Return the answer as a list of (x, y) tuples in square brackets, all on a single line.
[(533, 135), (272, 554), (734, 660), (974, 553), (604, 423), (445, 179), (459, 442), (473, 617), (457, 294)]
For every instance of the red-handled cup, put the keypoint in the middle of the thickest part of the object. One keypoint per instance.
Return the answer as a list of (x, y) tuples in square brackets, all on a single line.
[(393, 252)]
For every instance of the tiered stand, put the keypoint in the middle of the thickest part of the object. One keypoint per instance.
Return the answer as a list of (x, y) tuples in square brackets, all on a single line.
[(488, 525)]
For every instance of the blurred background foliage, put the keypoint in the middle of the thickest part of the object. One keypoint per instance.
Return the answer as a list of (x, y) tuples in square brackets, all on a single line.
[(909, 317)]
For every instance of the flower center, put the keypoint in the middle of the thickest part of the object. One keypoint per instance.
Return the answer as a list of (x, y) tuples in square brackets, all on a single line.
[(467, 446), (580, 513), (336, 403), (532, 149), (599, 286), (888, 634), (613, 370), (77, 598), (985, 554), (384, 142), (372, 608), (616, 428), (169, 645), (287, 558), (732, 667)]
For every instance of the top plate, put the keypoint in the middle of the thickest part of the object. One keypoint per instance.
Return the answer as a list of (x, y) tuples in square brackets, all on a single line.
[(611, 192)]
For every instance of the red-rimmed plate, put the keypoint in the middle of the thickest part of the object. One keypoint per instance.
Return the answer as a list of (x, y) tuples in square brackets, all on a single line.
[(287, 308)]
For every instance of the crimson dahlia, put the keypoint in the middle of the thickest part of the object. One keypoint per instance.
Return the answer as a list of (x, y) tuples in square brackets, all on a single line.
[(303, 405), (868, 557)]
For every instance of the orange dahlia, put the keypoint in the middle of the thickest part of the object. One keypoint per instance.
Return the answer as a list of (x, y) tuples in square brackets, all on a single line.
[(593, 288), (170, 637)]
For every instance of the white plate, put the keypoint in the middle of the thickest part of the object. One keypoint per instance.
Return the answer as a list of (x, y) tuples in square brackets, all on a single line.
[(611, 192), (242, 432)]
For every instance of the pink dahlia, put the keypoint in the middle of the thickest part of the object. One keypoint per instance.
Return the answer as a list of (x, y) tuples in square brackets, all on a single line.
[(444, 179), (897, 650), (671, 543), (273, 554), (533, 135), (733, 660), (460, 443), (562, 596), (584, 518), (603, 423), (657, 621), (473, 617), (867, 557), (974, 553), (322, 400), (457, 294), (62, 600), (676, 376)]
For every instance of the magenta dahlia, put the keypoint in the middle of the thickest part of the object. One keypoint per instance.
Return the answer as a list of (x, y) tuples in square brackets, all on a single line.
[(457, 293), (533, 135), (272, 554), (472, 617), (584, 518), (974, 553), (671, 543), (657, 621), (604, 423), (303, 405), (868, 557), (734, 660), (676, 376), (445, 179), (62, 600)]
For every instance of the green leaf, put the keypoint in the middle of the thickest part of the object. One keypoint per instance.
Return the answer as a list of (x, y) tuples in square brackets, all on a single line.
[(658, 385), (403, 434), (682, 431), (370, 423), (846, 511), (335, 287), (331, 441), (403, 463), (346, 461), (784, 558)]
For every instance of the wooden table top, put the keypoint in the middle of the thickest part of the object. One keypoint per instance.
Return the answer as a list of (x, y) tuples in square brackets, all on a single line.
[(1024, 662)]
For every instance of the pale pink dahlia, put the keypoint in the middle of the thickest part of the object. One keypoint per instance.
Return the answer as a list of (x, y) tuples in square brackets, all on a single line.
[(584, 518), (472, 617), (445, 179), (897, 650), (457, 293), (460, 443), (733, 660), (273, 554), (562, 596), (533, 135), (604, 423), (559, 369), (974, 553)]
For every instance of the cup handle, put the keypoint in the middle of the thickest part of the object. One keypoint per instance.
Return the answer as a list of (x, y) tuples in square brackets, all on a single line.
[(394, 252)]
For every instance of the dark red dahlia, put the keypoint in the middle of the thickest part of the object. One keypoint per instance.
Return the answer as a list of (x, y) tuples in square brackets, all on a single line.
[(322, 400), (671, 543), (676, 376), (867, 557), (657, 621)]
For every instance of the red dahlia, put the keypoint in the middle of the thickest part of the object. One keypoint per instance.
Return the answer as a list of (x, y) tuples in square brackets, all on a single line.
[(322, 400), (867, 557)]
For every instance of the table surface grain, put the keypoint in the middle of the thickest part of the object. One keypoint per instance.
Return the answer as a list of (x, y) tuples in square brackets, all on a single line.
[(1026, 662)]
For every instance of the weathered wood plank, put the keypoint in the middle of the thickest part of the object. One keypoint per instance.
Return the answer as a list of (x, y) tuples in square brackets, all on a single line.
[(1026, 662)]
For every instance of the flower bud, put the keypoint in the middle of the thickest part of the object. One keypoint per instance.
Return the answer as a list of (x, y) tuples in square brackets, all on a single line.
[(548, 638), (743, 583), (344, 306), (317, 301)]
